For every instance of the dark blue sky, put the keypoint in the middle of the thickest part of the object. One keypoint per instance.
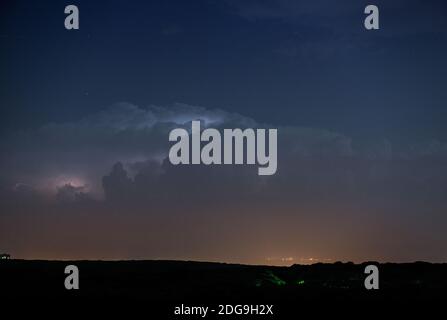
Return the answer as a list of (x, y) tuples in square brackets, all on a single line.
[(281, 62)]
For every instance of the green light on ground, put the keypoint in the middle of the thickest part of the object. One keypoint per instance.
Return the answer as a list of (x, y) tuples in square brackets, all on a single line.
[(275, 279), (300, 282)]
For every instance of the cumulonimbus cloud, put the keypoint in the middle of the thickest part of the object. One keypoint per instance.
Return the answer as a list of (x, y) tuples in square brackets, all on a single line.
[(113, 165)]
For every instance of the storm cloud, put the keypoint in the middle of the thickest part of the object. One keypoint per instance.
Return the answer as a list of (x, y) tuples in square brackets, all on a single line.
[(113, 166)]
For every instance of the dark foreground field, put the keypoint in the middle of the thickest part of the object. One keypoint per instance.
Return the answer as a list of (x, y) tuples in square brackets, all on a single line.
[(163, 285)]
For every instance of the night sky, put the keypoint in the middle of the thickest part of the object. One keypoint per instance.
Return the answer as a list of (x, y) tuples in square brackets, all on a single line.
[(85, 118)]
